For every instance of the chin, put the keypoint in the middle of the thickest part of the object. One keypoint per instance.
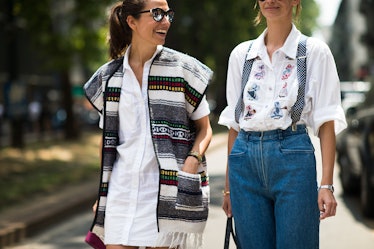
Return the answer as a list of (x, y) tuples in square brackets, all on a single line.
[(160, 43)]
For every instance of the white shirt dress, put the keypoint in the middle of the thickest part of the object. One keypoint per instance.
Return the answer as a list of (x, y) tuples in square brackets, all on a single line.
[(130, 217)]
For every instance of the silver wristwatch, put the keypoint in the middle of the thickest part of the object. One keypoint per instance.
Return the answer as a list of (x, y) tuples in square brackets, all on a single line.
[(329, 187)]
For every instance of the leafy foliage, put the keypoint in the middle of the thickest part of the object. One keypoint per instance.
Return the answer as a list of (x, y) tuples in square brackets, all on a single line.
[(210, 29), (63, 30), (72, 32)]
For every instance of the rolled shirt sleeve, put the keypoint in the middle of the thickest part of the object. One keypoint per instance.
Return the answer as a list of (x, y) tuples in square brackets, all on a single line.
[(233, 85), (323, 98), (202, 110)]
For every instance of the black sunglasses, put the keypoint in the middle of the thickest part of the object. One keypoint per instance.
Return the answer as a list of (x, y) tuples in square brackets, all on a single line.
[(158, 14)]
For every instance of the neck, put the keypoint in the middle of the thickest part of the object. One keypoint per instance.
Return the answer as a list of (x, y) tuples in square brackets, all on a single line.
[(276, 36), (139, 54)]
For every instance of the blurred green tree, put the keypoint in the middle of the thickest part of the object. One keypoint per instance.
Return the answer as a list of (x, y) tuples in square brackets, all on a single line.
[(210, 29), (73, 32), (67, 34)]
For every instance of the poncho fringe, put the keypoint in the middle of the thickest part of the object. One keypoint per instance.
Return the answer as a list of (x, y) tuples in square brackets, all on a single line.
[(181, 240)]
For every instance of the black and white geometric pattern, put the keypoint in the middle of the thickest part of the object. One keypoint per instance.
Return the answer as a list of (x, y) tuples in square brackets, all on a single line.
[(301, 76), (246, 72)]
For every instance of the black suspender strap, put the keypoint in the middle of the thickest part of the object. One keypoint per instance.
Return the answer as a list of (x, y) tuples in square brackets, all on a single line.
[(301, 76), (246, 72)]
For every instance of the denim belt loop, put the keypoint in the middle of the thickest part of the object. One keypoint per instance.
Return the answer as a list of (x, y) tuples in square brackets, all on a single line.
[(280, 134), (294, 127), (262, 135)]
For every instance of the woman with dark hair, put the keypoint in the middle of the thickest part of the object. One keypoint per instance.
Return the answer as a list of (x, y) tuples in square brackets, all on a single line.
[(277, 85), (154, 189)]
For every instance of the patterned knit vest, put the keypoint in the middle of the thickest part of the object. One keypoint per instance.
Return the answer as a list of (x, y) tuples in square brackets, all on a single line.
[(176, 86)]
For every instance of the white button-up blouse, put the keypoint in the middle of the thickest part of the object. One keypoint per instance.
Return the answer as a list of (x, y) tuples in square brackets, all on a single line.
[(272, 86)]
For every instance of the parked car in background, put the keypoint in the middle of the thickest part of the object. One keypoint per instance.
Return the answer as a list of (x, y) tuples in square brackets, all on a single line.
[(355, 155), (353, 93)]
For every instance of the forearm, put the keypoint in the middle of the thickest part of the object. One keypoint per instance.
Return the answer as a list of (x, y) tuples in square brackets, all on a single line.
[(230, 142), (203, 135), (226, 205), (328, 145), (202, 141), (326, 200)]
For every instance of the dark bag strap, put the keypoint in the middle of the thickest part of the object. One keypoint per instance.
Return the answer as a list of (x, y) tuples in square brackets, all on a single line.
[(229, 232)]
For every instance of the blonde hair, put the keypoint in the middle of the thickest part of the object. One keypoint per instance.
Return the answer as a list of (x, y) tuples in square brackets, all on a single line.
[(296, 14)]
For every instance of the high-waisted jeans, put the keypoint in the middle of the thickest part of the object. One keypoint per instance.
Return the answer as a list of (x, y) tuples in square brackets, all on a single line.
[(273, 190)]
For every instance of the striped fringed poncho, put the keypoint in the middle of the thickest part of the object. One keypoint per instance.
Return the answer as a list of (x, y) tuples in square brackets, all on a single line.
[(176, 86)]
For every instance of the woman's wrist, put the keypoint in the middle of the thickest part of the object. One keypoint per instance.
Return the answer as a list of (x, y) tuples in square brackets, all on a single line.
[(196, 155)]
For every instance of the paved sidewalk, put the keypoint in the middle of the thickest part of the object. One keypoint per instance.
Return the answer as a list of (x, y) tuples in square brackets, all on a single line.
[(26, 220)]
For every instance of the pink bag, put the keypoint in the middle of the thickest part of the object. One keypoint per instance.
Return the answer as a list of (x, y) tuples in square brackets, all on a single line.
[(94, 241)]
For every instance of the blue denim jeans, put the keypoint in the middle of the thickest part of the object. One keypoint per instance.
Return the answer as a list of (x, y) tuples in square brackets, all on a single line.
[(273, 190)]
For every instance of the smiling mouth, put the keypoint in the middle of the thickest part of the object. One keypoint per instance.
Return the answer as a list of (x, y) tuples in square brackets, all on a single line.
[(271, 8), (161, 32)]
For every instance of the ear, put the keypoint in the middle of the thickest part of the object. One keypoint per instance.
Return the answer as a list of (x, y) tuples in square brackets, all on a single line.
[(131, 21)]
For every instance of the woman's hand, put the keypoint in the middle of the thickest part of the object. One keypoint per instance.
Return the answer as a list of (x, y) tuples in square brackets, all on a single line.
[(326, 203), (191, 165), (226, 206), (94, 207)]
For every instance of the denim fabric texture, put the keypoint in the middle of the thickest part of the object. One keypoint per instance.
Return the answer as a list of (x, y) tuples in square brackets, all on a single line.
[(273, 190)]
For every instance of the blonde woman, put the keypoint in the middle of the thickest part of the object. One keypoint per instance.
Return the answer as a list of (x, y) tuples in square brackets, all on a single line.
[(278, 85)]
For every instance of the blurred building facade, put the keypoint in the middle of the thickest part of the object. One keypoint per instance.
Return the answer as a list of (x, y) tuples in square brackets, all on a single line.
[(347, 41)]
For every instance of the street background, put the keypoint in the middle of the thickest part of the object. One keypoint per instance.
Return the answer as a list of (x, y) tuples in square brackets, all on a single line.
[(48, 146), (347, 230)]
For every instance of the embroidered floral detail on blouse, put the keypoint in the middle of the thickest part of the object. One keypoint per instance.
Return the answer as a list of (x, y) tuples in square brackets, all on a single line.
[(249, 112), (277, 111), (287, 72), (283, 92), (251, 93), (260, 73)]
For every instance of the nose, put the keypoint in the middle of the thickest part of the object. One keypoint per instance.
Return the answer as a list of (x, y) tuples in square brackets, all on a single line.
[(166, 19)]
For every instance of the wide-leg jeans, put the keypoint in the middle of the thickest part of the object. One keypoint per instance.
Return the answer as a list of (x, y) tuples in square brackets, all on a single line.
[(273, 190)]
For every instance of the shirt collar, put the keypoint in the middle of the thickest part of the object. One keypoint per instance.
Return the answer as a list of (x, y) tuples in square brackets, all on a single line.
[(289, 47)]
